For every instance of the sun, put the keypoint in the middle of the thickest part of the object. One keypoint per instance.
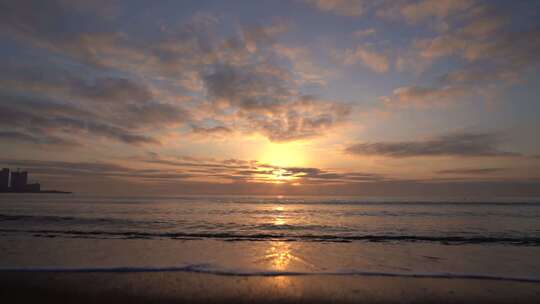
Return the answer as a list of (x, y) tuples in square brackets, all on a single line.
[(284, 155)]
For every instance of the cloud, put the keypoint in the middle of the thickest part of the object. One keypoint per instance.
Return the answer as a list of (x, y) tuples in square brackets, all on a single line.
[(265, 102), (198, 175), (64, 106), (246, 87), (14, 136), (317, 175), (132, 103), (508, 48), (351, 8), (254, 171), (303, 118), (240, 82), (186, 175), (377, 62), (414, 12), (96, 167), (47, 121), (424, 96), (94, 128), (254, 37), (457, 144), (107, 89), (364, 33), (98, 170), (489, 52), (468, 171), (494, 58), (216, 131), (491, 48), (261, 95), (118, 99), (421, 10), (478, 76), (484, 21), (72, 27), (304, 67), (62, 28)]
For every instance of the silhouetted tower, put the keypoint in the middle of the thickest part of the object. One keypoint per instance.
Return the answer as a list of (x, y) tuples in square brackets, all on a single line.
[(19, 180), (4, 179)]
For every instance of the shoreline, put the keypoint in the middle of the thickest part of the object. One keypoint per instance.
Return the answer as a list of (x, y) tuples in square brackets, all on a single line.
[(198, 269), (175, 287)]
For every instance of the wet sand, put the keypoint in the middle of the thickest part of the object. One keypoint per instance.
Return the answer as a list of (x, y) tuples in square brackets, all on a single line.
[(181, 287)]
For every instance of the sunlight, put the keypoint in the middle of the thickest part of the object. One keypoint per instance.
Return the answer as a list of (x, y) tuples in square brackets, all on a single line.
[(279, 255), (282, 282), (279, 219), (284, 154), (280, 176)]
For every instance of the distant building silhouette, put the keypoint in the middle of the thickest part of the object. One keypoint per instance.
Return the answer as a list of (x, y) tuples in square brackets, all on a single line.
[(4, 179), (17, 183), (19, 180), (35, 187)]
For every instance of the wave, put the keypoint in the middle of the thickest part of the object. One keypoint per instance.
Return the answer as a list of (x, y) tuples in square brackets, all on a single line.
[(272, 199), (203, 268), (56, 219), (447, 240), (8, 217)]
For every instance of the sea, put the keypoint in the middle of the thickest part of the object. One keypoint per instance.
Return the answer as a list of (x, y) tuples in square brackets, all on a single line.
[(482, 238)]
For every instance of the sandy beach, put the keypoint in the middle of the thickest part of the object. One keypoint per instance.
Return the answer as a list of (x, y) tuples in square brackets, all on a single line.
[(43, 287)]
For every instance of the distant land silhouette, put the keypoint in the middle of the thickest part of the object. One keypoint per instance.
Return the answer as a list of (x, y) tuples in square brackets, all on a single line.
[(17, 182)]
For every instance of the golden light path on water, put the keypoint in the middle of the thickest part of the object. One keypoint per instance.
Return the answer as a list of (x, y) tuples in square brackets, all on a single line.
[(280, 255)]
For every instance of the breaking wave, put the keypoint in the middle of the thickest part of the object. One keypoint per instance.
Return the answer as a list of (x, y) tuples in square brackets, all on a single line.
[(206, 269), (449, 240)]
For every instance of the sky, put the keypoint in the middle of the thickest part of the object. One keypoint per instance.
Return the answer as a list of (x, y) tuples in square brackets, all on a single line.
[(311, 97)]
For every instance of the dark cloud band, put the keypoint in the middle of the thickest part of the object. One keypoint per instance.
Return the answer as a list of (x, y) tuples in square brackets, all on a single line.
[(460, 144)]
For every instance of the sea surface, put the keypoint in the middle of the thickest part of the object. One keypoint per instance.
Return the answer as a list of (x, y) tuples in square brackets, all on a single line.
[(486, 238)]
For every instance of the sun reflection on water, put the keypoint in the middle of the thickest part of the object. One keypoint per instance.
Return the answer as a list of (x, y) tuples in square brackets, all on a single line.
[(282, 282), (279, 219), (279, 255)]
